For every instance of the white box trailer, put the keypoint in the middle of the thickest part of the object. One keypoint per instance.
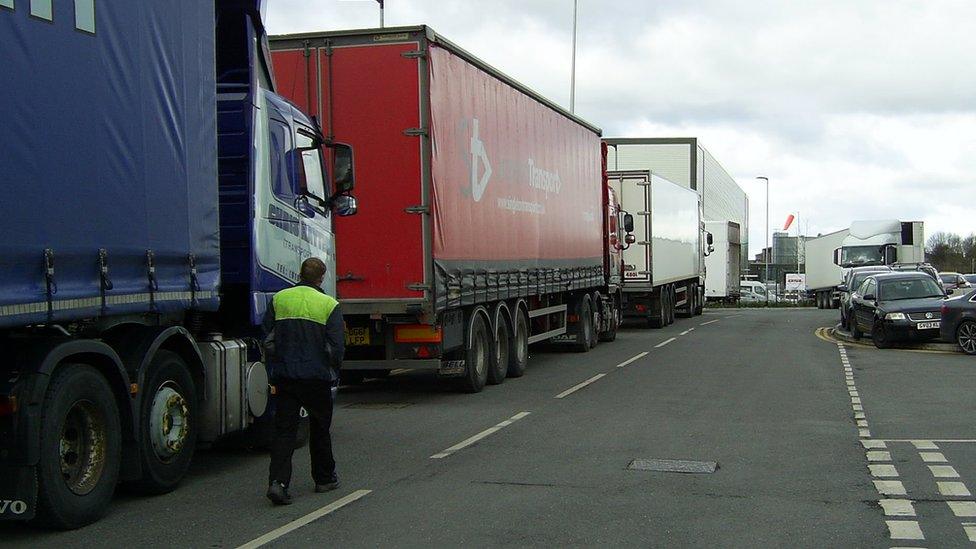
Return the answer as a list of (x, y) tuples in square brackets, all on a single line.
[(664, 268), (823, 275), (723, 267), (683, 160)]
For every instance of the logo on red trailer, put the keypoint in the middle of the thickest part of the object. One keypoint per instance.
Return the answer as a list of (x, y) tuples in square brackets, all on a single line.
[(478, 153)]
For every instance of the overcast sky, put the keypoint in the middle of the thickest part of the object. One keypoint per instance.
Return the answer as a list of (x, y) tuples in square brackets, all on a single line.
[(854, 109)]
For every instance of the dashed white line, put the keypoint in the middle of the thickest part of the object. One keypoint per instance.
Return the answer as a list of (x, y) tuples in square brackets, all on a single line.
[(883, 470), (869, 444), (890, 487), (862, 423), (963, 509), (709, 322), (864, 433), (665, 342), (970, 528), (311, 517), (632, 359), (487, 432), (579, 386), (855, 400), (686, 332), (957, 489), (943, 471), (932, 457), (897, 507), (858, 415), (904, 529), (858, 408), (879, 455)]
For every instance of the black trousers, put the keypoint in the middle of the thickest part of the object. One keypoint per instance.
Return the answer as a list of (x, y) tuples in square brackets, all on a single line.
[(316, 397)]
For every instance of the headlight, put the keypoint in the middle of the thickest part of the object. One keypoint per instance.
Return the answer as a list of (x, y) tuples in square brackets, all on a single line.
[(895, 316)]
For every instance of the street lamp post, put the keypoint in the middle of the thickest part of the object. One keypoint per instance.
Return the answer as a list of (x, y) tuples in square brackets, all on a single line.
[(770, 251), (572, 77)]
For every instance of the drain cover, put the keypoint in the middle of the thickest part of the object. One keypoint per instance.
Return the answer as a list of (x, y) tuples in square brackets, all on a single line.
[(378, 405), (673, 466)]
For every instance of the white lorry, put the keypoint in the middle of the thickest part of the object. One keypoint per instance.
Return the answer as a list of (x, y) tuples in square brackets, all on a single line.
[(664, 269), (865, 243), (723, 266)]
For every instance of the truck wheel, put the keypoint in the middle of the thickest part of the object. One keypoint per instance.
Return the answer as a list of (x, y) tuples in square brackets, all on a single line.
[(167, 424), (966, 337), (699, 300), (660, 303), (613, 322), (519, 358), (597, 307), (477, 354), (671, 307), (502, 350), (80, 448), (585, 329)]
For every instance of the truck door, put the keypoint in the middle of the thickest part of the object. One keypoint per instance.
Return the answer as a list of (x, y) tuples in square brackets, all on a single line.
[(634, 190)]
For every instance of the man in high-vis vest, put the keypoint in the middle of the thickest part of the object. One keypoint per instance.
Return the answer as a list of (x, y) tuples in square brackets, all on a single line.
[(306, 346)]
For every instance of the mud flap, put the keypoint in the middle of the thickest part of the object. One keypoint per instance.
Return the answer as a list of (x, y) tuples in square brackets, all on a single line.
[(18, 492)]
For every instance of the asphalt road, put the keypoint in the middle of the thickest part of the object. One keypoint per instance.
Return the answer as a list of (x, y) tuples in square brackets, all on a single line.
[(755, 391)]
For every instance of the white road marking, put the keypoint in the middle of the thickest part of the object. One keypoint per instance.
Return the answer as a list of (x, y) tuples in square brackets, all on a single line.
[(709, 322), (943, 471), (897, 507), (850, 383), (855, 400), (970, 528), (858, 415), (953, 489), (873, 444), (469, 441), (862, 423), (924, 445), (864, 433), (883, 470), (890, 487), (879, 455), (854, 393), (632, 359), (858, 408), (932, 457), (688, 331), (904, 529), (963, 509), (579, 386), (665, 342), (298, 523)]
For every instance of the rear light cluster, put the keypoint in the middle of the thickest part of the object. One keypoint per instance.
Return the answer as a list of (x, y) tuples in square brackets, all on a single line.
[(8, 405), (417, 333)]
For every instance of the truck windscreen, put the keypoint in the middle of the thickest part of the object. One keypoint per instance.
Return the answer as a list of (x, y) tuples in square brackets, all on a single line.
[(862, 255)]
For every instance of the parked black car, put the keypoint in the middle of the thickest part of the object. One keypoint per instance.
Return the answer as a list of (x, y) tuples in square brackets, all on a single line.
[(959, 320), (854, 279), (897, 306)]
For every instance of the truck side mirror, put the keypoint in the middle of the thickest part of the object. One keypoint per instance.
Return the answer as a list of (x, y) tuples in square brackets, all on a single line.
[(343, 176), (890, 255), (628, 223), (344, 205), (842, 288), (630, 239), (709, 239), (837, 256)]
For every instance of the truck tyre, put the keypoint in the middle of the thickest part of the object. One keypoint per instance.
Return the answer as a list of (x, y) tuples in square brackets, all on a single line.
[(477, 353), (612, 323), (597, 306), (80, 448), (688, 310), (671, 307), (585, 328), (699, 300), (168, 424), (501, 350), (660, 303), (966, 337), (519, 358)]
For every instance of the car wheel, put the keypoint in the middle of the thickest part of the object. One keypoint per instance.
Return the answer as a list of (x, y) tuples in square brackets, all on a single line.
[(966, 337), (880, 336)]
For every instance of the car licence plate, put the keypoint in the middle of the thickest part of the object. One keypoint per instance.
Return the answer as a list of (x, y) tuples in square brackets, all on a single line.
[(357, 336), (928, 325)]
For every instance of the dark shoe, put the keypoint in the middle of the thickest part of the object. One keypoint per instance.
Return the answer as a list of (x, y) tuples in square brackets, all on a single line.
[(278, 494), (328, 486)]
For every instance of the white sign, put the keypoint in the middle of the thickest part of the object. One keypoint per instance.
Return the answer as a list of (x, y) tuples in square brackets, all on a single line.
[(796, 282)]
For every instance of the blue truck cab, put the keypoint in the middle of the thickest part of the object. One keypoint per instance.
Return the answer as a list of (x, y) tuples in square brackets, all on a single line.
[(157, 192)]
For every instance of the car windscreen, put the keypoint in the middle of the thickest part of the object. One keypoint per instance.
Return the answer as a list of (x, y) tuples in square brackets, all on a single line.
[(911, 288), (858, 278), (970, 278), (948, 278)]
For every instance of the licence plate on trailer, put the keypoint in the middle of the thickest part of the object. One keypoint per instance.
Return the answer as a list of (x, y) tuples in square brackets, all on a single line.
[(928, 325), (357, 336)]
